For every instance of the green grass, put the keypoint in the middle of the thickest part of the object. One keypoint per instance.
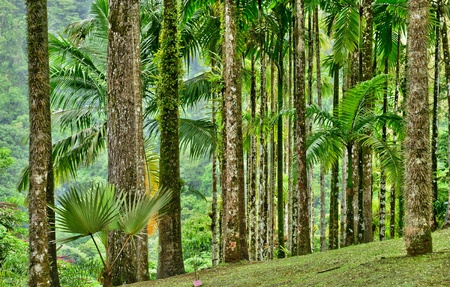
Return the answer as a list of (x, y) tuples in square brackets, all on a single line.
[(374, 264)]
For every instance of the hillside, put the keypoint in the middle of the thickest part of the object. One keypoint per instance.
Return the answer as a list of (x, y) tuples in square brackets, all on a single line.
[(374, 264)]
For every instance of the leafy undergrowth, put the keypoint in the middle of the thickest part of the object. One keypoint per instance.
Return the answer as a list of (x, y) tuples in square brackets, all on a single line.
[(374, 264)]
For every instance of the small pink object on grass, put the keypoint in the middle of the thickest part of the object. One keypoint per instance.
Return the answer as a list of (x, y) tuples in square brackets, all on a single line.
[(197, 283)]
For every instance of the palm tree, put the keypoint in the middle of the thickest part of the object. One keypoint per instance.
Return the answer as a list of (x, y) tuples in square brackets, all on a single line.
[(235, 242), (418, 171), (170, 259), (40, 143), (337, 134), (304, 239), (95, 210), (125, 129)]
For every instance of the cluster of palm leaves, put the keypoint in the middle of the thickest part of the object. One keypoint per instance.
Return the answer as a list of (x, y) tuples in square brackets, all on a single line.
[(95, 210)]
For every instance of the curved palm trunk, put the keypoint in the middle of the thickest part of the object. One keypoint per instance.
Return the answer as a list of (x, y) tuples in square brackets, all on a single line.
[(304, 238), (170, 259), (418, 170), (40, 146), (235, 237)]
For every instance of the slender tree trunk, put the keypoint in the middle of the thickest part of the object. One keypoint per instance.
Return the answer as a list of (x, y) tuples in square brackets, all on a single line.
[(382, 175), (366, 159), (435, 124), (170, 259), (343, 222), (446, 52), (334, 187), (350, 223), (263, 216), (252, 171), (323, 244), (40, 146), (396, 94), (309, 125), (280, 197), (271, 189), (235, 248), (304, 238), (223, 179), (214, 213), (289, 148), (418, 170)]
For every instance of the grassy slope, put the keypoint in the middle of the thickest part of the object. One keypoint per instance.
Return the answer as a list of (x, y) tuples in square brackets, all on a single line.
[(374, 264)]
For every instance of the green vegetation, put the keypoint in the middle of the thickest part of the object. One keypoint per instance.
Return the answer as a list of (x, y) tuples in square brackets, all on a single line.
[(373, 264)]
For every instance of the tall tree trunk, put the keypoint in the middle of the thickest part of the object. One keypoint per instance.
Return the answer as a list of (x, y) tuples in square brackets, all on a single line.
[(435, 123), (382, 175), (40, 147), (304, 238), (309, 124), (396, 95), (446, 51), (271, 189), (124, 115), (263, 216), (252, 186), (323, 243), (170, 259), (366, 159), (223, 178), (350, 192), (334, 186), (214, 213), (418, 170), (235, 248), (280, 197)]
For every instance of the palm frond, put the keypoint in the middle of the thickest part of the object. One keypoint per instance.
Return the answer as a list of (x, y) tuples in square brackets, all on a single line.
[(86, 210), (353, 106), (199, 136), (136, 213), (324, 146), (390, 157)]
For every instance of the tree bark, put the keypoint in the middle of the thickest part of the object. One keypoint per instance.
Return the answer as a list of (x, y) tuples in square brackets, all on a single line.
[(170, 259), (446, 52), (435, 124), (334, 186), (214, 213), (125, 161), (382, 174), (235, 248), (40, 146), (280, 192), (252, 186), (263, 216), (304, 238), (272, 170), (323, 243), (418, 170)]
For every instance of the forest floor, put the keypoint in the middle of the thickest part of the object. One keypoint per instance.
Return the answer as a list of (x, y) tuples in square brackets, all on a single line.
[(373, 264)]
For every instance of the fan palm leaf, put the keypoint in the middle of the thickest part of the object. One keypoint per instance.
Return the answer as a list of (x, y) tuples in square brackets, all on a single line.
[(84, 211)]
